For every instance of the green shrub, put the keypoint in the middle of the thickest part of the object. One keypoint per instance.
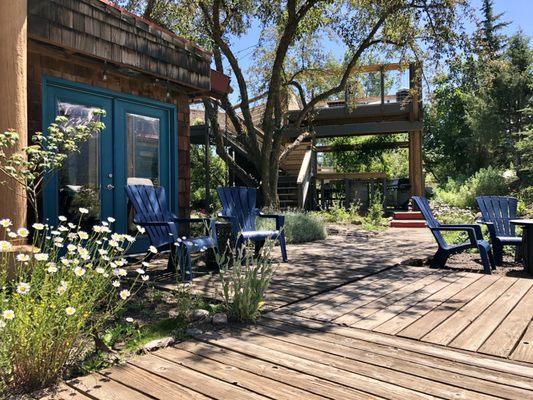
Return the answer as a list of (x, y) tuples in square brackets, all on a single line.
[(245, 279), (488, 181), (60, 293), (374, 220), (300, 227)]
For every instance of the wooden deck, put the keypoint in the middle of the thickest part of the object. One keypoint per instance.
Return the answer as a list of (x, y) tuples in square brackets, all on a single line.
[(345, 256), (392, 332), (482, 313), (290, 357)]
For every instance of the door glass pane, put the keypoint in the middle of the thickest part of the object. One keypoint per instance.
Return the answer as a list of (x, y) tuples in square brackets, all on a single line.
[(79, 178), (143, 148), (142, 137)]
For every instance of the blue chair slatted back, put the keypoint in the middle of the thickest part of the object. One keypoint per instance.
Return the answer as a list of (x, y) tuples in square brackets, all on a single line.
[(239, 203), (150, 205), (499, 210), (423, 205)]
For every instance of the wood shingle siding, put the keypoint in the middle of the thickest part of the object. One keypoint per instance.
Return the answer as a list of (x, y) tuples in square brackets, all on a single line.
[(98, 29)]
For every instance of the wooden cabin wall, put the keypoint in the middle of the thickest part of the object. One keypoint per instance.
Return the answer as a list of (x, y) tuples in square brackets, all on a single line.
[(43, 61)]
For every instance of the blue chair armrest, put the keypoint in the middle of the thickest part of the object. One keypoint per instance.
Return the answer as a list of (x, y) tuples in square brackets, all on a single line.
[(280, 219), (150, 223), (475, 227), (470, 230)]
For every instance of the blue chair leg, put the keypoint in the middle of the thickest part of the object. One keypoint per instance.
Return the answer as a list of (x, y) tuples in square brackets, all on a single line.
[(491, 259), (485, 259), (283, 247), (498, 252), (171, 264), (439, 259)]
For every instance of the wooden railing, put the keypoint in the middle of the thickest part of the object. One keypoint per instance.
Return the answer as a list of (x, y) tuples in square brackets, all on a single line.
[(305, 177)]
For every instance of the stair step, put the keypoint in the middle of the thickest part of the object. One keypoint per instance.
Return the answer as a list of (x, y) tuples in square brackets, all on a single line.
[(408, 224), (408, 215)]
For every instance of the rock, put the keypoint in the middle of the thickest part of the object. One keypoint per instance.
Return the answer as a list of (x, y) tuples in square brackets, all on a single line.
[(199, 314), (193, 331), (220, 319), (173, 313), (158, 343)]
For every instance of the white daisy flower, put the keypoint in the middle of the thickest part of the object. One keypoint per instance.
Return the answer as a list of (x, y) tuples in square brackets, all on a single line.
[(129, 238), (71, 248), (124, 294), (65, 261), (58, 239), (99, 270), (70, 311), (111, 219), (152, 249), (117, 237), (52, 269), (113, 243), (62, 228), (71, 225), (145, 277), (116, 283), (146, 264), (122, 272), (6, 222), (141, 230), (140, 271), (129, 319), (23, 288), (58, 244), (38, 227), (72, 236), (102, 252), (55, 233), (62, 288), (83, 210), (62, 218), (83, 235), (23, 257), (79, 271), (41, 257), (23, 232), (8, 314), (12, 235)]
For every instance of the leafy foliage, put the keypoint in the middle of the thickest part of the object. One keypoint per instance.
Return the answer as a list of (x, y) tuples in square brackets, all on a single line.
[(217, 176), (30, 166)]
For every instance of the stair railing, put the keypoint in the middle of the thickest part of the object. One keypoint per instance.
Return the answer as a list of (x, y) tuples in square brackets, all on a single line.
[(305, 176)]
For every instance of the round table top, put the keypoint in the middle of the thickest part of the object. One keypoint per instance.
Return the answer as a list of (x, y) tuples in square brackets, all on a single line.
[(521, 221)]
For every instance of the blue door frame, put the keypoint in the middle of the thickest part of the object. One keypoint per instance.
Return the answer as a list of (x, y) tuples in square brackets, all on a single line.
[(113, 169)]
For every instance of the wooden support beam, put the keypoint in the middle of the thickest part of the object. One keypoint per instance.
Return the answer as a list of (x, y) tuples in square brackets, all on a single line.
[(361, 176), (416, 173), (357, 147), (13, 92), (362, 129)]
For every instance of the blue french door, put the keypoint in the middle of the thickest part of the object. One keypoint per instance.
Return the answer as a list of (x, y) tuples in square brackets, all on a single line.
[(135, 147)]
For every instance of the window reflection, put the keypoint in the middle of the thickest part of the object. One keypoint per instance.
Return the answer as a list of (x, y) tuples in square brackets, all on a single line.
[(79, 178)]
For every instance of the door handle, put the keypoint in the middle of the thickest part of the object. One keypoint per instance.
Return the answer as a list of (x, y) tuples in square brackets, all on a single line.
[(110, 187)]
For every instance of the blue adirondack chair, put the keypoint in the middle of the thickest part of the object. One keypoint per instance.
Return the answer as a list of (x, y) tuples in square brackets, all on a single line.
[(475, 238), (152, 213), (496, 213), (239, 207)]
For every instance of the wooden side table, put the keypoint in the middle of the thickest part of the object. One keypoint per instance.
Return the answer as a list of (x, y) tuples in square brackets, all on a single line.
[(527, 241)]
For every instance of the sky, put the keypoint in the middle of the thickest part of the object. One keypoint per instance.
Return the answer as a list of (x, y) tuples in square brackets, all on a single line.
[(518, 12)]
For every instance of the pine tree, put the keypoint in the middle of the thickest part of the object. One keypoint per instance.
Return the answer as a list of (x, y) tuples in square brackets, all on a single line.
[(492, 41)]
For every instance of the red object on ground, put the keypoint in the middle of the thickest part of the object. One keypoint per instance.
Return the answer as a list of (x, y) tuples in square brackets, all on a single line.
[(408, 219)]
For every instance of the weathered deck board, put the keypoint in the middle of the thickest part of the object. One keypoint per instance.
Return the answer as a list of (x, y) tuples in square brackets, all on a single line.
[(457, 309)]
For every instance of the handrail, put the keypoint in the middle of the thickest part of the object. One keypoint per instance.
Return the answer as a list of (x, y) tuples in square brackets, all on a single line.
[(304, 177)]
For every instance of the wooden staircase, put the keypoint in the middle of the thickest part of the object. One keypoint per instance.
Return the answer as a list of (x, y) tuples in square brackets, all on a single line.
[(407, 219), (289, 187)]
